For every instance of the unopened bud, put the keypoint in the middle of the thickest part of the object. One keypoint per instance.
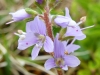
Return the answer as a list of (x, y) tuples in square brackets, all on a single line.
[(83, 19)]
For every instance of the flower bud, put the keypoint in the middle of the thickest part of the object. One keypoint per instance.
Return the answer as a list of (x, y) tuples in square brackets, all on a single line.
[(39, 1), (18, 15)]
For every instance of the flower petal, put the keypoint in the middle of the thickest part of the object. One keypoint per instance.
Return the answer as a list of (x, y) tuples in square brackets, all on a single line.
[(81, 37), (35, 52), (50, 63), (67, 12), (58, 48), (65, 67), (29, 40), (62, 21), (65, 44), (48, 44), (72, 47), (71, 61), (36, 26), (75, 31)]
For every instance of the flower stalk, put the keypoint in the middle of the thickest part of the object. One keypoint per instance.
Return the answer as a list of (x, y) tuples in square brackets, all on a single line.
[(47, 22)]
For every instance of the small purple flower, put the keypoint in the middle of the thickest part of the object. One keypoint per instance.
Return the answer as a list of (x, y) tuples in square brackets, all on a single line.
[(19, 15), (60, 59), (65, 21), (39, 1), (73, 28), (35, 35)]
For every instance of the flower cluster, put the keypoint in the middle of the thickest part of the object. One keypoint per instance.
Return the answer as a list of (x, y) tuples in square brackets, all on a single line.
[(39, 34)]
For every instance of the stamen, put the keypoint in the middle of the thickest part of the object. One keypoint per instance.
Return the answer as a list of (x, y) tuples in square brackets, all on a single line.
[(22, 37), (17, 34), (10, 22), (87, 27), (59, 62), (79, 23), (21, 32), (42, 38), (66, 52), (83, 19)]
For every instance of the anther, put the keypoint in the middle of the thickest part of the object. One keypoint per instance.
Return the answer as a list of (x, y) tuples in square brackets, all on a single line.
[(83, 19), (21, 32), (42, 37), (22, 37), (66, 52), (59, 61)]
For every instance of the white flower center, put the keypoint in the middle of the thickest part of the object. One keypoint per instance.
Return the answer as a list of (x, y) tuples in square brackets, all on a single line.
[(42, 38), (59, 62), (72, 23)]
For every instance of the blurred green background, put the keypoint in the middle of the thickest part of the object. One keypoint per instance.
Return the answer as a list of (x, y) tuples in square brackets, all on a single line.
[(15, 62)]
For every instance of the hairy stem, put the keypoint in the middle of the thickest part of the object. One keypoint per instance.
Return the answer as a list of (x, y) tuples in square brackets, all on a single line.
[(48, 23)]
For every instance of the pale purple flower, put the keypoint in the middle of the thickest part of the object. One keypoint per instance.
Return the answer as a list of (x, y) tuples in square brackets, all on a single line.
[(65, 21), (60, 59), (35, 35), (73, 28), (39, 1), (18, 15)]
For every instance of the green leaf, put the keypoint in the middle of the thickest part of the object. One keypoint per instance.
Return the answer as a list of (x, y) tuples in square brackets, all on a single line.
[(84, 72)]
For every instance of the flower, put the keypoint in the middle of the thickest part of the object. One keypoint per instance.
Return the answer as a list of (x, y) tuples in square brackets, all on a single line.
[(66, 20), (73, 28), (61, 59), (39, 1), (19, 15), (35, 35)]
